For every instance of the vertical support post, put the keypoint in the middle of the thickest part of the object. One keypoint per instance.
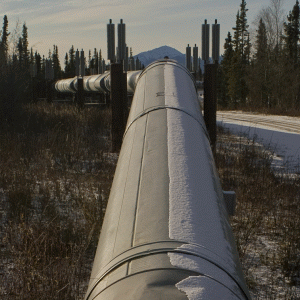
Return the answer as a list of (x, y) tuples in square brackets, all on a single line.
[(195, 59), (125, 99), (210, 102), (49, 90), (107, 99), (188, 57), (121, 41), (111, 41), (216, 42), (80, 94), (82, 63), (205, 41), (117, 105), (126, 60)]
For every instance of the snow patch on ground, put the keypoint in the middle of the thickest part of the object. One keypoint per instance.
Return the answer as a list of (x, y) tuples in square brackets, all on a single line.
[(285, 144)]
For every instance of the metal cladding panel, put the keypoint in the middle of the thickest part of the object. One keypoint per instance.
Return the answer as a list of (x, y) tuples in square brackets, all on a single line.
[(132, 78), (99, 83), (166, 233), (65, 85), (85, 83), (91, 82)]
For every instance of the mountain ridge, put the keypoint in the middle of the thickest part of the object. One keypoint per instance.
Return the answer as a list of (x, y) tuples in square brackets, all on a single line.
[(148, 57)]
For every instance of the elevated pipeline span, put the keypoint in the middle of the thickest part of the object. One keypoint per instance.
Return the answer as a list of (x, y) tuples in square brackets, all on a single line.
[(166, 233)]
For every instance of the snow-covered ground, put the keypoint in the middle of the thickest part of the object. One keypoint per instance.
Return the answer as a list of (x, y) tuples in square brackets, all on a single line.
[(278, 134)]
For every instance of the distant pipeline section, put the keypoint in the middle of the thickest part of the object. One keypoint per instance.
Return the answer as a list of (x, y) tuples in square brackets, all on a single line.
[(99, 83), (166, 232)]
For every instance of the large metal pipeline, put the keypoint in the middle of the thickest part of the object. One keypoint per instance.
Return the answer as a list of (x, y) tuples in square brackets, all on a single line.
[(166, 233), (99, 83)]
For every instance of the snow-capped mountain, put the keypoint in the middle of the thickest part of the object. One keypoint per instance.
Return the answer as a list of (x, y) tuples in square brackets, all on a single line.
[(149, 56)]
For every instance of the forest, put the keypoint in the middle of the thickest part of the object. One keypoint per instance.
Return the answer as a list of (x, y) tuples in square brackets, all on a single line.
[(259, 68)]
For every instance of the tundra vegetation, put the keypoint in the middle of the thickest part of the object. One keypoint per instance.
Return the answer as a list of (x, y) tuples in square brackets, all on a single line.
[(56, 170), (56, 167)]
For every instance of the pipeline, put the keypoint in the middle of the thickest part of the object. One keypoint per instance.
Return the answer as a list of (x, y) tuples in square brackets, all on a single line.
[(99, 83), (166, 231)]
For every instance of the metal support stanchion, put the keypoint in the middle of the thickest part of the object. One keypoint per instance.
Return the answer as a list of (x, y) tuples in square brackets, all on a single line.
[(49, 94), (117, 105), (80, 93)]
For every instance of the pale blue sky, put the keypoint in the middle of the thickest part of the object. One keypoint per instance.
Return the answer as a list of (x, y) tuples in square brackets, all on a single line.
[(149, 24)]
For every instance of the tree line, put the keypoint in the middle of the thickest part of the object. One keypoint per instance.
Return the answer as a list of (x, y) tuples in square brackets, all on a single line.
[(259, 69), (22, 69), (263, 74)]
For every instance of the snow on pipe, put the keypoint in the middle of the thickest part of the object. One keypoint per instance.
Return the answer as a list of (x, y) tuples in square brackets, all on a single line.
[(166, 233), (99, 83)]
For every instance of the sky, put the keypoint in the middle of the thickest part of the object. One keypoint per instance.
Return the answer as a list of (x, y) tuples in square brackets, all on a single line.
[(149, 24)]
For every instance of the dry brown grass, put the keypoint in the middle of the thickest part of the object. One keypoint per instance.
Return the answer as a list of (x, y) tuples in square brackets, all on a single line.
[(267, 220), (55, 177)]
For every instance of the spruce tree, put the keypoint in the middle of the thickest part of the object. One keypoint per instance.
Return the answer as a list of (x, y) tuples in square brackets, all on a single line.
[(24, 41), (243, 30), (260, 70), (67, 66), (292, 33), (20, 52), (37, 58), (224, 71), (72, 61), (56, 63), (261, 43), (4, 42), (96, 61), (237, 87)]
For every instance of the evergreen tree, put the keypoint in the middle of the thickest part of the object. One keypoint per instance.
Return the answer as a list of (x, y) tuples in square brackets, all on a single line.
[(261, 43), (292, 33), (96, 61), (259, 70), (24, 41), (20, 52), (67, 66), (237, 87), (56, 63), (224, 72), (72, 62), (4, 42), (37, 58), (243, 26), (31, 59), (237, 34)]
